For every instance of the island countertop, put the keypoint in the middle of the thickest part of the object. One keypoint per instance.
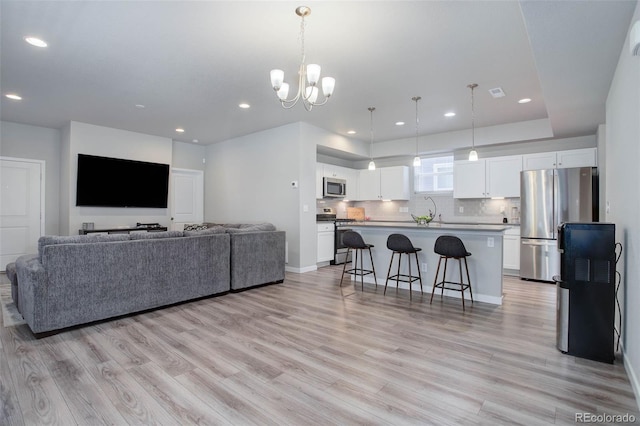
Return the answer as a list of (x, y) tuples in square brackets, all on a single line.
[(484, 241), (433, 226)]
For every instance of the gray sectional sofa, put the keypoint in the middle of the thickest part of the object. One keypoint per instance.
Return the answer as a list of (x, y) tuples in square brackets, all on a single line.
[(80, 279)]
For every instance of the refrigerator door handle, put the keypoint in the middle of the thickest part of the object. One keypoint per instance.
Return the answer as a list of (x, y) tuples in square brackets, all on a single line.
[(538, 243)]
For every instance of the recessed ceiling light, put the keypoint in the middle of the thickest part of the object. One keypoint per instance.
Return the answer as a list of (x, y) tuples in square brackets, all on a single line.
[(195, 141), (13, 96), (450, 114), (34, 41), (351, 132), (180, 130), (524, 101), (244, 106), (140, 106), (399, 123)]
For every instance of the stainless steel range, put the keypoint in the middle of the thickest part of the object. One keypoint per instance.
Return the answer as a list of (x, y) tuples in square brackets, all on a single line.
[(341, 254)]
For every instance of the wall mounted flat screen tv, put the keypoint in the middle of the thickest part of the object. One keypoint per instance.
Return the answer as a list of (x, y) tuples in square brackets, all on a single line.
[(115, 182)]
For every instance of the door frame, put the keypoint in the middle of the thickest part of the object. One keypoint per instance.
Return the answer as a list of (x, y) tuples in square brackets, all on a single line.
[(193, 172), (42, 165)]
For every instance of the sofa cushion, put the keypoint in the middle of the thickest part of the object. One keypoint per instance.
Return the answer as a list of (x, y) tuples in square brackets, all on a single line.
[(205, 231), (252, 228), (49, 240), (153, 235)]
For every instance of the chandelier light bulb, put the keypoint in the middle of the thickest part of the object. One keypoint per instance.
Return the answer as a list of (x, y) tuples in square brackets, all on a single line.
[(416, 161), (372, 165), (473, 155)]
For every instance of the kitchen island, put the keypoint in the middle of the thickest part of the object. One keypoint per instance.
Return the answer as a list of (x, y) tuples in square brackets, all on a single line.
[(484, 242)]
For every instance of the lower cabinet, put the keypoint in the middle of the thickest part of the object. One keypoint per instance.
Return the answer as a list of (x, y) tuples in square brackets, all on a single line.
[(511, 250), (325, 242)]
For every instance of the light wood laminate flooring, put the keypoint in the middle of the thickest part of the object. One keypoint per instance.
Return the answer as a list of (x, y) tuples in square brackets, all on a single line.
[(309, 352)]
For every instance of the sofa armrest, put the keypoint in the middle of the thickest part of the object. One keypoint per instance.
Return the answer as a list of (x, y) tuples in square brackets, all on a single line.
[(257, 258), (32, 288)]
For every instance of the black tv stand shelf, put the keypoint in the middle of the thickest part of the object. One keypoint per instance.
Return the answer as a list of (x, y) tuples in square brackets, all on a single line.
[(123, 230)]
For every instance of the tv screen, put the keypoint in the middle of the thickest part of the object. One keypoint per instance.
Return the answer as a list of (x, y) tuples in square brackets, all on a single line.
[(115, 182)]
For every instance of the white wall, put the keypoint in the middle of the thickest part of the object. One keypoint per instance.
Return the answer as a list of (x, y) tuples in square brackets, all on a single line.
[(623, 194), (248, 179), (89, 139), (37, 143)]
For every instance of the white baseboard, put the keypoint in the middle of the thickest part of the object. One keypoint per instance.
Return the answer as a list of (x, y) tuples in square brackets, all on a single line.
[(633, 377), (493, 300), (301, 270)]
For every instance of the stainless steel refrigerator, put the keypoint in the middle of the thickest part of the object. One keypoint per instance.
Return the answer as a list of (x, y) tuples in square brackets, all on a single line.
[(547, 199)]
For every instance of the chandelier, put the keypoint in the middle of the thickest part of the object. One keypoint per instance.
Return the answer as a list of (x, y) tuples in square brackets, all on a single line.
[(473, 154), (308, 77)]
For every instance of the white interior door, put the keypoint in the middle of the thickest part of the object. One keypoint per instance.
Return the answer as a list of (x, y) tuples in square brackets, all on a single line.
[(187, 200), (21, 208)]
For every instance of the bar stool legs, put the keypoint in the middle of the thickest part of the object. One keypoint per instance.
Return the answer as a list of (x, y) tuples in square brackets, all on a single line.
[(399, 244), (450, 247), (354, 243)]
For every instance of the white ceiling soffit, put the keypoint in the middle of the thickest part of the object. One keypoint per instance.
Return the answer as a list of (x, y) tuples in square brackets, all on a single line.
[(192, 63), (576, 45)]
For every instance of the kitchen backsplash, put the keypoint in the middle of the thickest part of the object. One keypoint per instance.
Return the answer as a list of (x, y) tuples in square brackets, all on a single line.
[(447, 209)]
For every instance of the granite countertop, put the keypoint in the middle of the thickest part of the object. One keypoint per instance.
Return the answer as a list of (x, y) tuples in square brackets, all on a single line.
[(433, 225)]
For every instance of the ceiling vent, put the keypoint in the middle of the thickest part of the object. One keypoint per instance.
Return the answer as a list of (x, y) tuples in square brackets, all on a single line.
[(497, 92), (634, 39)]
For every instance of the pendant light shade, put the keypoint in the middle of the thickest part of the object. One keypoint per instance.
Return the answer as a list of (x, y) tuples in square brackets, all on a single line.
[(372, 164), (416, 160), (473, 154)]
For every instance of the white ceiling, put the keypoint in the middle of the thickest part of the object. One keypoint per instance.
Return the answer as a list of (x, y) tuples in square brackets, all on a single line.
[(192, 63)]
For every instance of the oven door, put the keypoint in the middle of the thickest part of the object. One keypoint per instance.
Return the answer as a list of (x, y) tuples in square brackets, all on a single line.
[(342, 254)]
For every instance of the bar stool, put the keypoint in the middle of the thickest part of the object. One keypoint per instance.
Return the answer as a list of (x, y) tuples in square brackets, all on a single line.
[(451, 247), (353, 241), (400, 244)]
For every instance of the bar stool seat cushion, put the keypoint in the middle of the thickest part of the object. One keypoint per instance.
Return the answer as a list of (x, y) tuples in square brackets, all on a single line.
[(401, 243), (354, 240), (450, 246)]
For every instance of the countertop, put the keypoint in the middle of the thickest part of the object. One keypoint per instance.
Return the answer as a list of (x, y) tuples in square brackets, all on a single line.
[(432, 226)]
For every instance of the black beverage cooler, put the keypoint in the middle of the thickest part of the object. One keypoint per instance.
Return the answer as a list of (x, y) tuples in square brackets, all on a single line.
[(586, 290)]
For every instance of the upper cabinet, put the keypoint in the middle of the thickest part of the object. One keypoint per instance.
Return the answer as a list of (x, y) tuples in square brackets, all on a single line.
[(486, 178), (385, 183), (338, 172), (586, 157)]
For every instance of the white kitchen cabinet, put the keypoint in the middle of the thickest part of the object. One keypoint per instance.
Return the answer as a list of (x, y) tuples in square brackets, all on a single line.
[(539, 161), (502, 176), (468, 179), (577, 158), (485, 178), (586, 157), (326, 242), (319, 181), (384, 183), (511, 249)]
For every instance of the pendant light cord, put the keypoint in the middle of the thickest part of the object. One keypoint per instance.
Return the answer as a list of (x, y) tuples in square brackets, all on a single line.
[(371, 109)]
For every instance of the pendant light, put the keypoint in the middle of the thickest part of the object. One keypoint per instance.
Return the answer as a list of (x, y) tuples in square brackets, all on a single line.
[(372, 164), (416, 160), (473, 154)]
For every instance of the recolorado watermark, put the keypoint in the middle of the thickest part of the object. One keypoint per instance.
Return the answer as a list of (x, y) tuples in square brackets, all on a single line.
[(604, 418)]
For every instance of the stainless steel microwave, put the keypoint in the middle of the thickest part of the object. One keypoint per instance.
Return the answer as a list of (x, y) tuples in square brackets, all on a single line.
[(334, 188)]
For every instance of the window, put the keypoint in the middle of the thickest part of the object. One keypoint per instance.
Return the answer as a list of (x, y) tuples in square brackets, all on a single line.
[(435, 174)]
